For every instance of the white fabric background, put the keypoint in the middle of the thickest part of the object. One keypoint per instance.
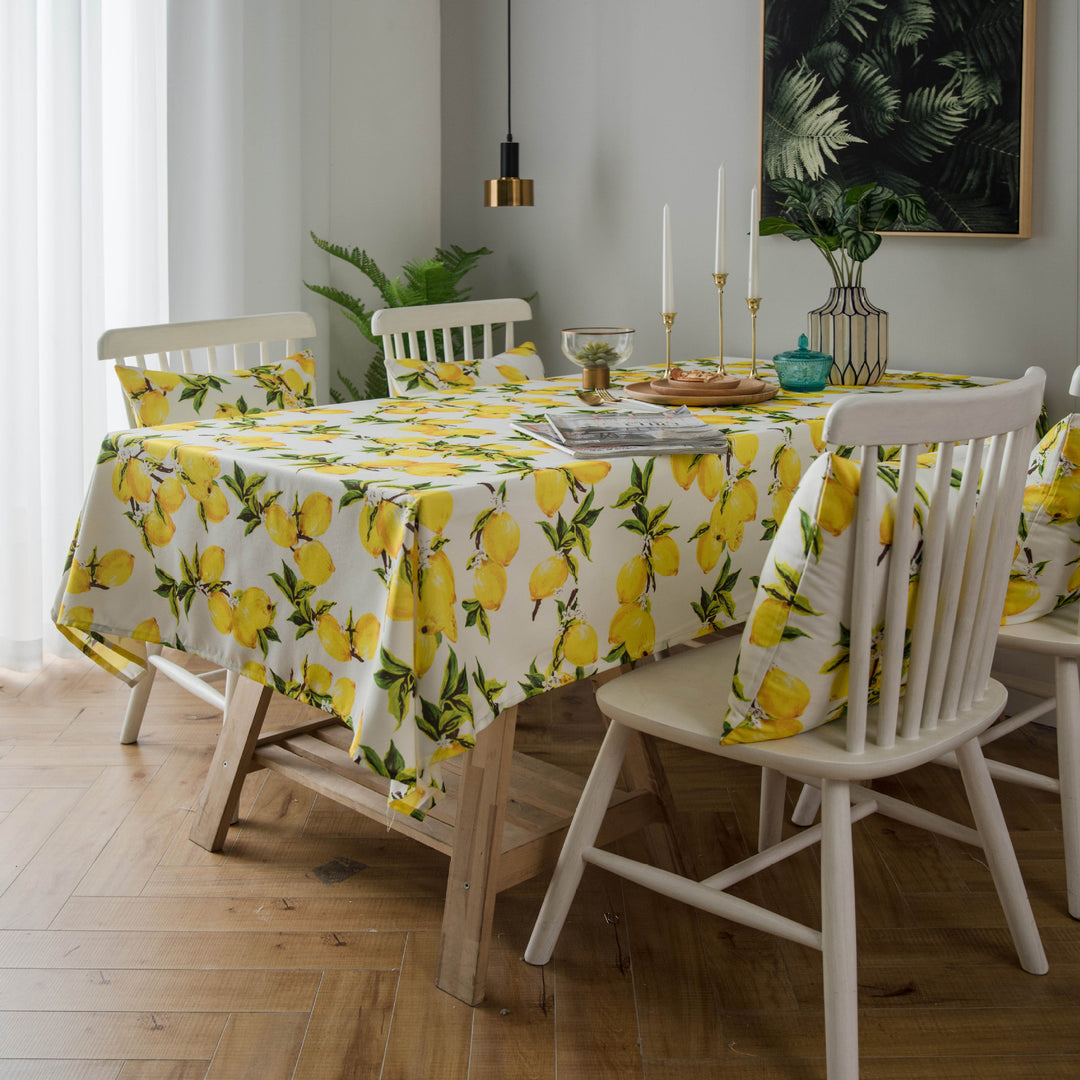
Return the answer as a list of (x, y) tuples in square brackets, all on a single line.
[(81, 126)]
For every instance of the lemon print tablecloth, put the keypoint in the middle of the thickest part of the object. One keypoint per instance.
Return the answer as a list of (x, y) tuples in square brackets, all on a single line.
[(415, 565)]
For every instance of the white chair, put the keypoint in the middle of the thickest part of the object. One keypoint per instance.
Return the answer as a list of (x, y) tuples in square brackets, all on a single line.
[(950, 697), (403, 328), (1057, 636), (218, 345)]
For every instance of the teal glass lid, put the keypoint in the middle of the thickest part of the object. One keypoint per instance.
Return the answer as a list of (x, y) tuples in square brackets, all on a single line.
[(803, 352)]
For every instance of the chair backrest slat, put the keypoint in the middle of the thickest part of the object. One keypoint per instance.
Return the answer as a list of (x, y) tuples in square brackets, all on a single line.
[(927, 598), (966, 548), (861, 601), (1003, 538), (430, 349), (896, 600), (978, 551), (949, 569)]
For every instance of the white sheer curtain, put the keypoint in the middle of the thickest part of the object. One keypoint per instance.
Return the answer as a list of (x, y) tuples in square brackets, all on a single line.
[(83, 222), (159, 159)]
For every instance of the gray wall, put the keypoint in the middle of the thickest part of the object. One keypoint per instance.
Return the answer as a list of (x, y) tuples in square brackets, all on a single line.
[(623, 105)]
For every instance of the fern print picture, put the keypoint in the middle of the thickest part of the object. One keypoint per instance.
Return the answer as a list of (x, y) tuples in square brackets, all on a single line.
[(928, 96)]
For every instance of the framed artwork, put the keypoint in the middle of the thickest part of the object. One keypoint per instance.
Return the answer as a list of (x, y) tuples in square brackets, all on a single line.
[(930, 97)]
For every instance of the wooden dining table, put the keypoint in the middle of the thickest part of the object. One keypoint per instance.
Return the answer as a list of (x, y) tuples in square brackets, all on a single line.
[(414, 568)]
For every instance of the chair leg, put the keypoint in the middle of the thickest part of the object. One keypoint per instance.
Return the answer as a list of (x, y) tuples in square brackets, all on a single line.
[(771, 808), (588, 817), (1001, 857), (838, 946), (1067, 689), (807, 807), (136, 706)]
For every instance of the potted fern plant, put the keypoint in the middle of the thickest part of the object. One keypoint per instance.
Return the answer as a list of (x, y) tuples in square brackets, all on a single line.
[(422, 281), (845, 226)]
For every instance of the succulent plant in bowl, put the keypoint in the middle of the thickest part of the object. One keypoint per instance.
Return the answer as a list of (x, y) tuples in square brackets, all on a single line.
[(597, 349)]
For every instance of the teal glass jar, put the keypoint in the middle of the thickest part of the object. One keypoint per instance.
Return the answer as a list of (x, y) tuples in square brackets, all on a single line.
[(803, 370)]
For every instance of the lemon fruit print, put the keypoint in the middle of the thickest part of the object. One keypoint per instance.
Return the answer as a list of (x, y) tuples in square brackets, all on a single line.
[(1046, 569), (792, 672), (417, 565)]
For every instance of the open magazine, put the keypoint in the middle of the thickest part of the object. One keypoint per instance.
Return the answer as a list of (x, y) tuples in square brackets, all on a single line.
[(622, 434)]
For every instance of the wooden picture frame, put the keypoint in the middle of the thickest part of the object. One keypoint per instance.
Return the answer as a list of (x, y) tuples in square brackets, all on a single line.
[(925, 98)]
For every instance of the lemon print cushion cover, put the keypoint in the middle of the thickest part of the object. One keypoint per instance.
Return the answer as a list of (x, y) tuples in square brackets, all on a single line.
[(172, 397), (412, 378), (1046, 569), (792, 671)]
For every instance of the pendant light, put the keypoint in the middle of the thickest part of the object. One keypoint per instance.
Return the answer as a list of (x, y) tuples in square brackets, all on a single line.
[(509, 189)]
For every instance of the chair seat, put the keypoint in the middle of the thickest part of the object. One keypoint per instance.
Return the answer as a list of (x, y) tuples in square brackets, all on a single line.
[(1054, 634), (665, 700)]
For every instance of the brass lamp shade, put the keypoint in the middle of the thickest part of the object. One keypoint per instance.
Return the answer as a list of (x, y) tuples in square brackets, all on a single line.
[(510, 189)]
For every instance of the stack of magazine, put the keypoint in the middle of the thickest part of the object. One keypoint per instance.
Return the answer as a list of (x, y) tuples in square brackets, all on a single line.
[(625, 434)]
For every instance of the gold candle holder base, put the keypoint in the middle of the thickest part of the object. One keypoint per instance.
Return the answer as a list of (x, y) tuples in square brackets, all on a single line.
[(669, 320), (753, 303), (721, 281), (595, 378)]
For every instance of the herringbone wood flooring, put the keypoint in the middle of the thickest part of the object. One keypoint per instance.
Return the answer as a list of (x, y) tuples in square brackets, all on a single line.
[(307, 948)]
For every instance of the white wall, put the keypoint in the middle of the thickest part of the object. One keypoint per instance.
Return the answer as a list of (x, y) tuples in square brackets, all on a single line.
[(311, 115), (623, 105)]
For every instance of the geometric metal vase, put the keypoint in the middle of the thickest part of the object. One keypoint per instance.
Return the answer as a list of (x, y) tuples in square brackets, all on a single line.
[(855, 332)]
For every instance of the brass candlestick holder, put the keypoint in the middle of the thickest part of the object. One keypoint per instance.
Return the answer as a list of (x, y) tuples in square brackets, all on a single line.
[(721, 281), (753, 303), (669, 320)]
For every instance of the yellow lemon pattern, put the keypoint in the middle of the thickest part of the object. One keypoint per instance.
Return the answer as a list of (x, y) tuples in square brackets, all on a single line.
[(423, 564), (1046, 570), (410, 377), (793, 660), (170, 397)]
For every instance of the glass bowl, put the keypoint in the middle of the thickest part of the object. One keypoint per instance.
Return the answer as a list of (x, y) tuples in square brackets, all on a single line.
[(803, 370), (596, 350)]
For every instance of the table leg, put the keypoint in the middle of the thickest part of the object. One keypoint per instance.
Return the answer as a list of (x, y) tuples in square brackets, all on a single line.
[(470, 890), (236, 743)]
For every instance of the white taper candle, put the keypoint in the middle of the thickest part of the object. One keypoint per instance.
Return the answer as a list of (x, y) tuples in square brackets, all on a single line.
[(720, 222), (753, 284), (668, 276)]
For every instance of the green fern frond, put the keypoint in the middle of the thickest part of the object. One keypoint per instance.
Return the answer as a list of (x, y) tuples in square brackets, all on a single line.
[(830, 58), (984, 162), (426, 281), (799, 132), (352, 308), (976, 88), (907, 23), (459, 262), (339, 296), (349, 386), (992, 32), (933, 118), (375, 381), (877, 99), (961, 213), (358, 258), (854, 16)]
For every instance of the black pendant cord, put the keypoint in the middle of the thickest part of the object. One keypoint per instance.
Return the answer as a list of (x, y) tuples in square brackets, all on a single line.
[(509, 126)]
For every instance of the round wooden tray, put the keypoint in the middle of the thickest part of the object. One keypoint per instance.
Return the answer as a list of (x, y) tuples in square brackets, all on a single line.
[(673, 387), (739, 395)]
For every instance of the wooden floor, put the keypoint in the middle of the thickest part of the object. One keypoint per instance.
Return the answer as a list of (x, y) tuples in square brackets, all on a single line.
[(307, 949)]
